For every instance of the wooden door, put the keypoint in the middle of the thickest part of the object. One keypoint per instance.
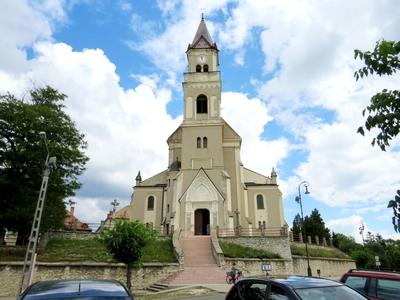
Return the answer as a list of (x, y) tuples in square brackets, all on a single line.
[(198, 222)]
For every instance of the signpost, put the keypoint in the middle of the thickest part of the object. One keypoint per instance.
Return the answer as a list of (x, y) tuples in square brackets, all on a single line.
[(266, 267), (377, 262)]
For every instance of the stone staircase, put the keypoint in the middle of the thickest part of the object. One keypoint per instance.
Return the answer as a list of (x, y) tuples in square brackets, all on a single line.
[(199, 263)]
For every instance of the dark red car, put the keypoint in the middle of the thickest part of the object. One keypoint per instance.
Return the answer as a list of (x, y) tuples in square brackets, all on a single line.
[(374, 284)]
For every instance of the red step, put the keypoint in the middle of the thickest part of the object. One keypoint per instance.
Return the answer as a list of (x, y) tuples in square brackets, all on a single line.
[(199, 263)]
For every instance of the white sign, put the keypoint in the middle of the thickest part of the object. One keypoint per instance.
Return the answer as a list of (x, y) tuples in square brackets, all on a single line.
[(266, 267)]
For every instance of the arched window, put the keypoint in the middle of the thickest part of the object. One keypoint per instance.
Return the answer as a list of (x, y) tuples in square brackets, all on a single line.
[(167, 208), (201, 104), (260, 202), (205, 68), (198, 68), (204, 142), (198, 142), (150, 203)]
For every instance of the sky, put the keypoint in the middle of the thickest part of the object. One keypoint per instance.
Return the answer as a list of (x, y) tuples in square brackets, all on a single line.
[(287, 88)]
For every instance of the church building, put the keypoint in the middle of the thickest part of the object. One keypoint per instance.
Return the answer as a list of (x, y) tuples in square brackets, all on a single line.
[(206, 185)]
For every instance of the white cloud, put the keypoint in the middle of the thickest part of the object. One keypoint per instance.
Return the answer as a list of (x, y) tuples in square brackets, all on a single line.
[(116, 122), (17, 35), (248, 118), (348, 226)]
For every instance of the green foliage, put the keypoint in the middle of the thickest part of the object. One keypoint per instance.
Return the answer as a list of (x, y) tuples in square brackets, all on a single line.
[(374, 245), (363, 259), (314, 225), (90, 250), (159, 251), (74, 250), (384, 110), (22, 157), (126, 241), (300, 249), (345, 243), (236, 251), (297, 228)]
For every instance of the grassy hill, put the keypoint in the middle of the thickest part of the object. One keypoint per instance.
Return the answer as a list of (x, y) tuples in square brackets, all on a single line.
[(90, 250)]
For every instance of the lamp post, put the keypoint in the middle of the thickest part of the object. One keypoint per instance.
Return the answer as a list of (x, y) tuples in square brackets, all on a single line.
[(298, 200), (30, 256)]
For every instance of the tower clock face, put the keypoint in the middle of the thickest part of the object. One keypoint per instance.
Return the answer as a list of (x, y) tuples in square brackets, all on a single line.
[(202, 58)]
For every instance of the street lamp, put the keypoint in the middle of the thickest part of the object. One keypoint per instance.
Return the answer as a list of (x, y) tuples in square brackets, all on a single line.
[(298, 200), (30, 256)]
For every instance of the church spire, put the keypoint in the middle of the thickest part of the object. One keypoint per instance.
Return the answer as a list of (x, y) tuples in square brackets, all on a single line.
[(202, 39)]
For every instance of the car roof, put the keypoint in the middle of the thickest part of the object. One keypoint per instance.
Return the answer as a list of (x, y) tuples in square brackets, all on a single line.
[(302, 281), (74, 288), (374, 273)]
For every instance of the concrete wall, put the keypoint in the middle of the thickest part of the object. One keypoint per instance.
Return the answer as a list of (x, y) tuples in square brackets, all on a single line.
[(11, 272)]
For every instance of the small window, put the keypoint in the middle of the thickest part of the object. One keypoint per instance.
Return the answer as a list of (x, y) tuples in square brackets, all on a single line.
[(198, 142), (167, 208), (201, 104), (150, 203), (260, 202), (204, 142), (205, 68), (198, 68)]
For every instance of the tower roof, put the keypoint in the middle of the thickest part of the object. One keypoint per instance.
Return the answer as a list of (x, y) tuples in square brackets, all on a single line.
[(202, 39)]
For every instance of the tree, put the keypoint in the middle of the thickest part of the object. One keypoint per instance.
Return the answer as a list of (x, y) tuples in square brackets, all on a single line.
[(384, 110), (22, 157), (297, 228), (126, 241), (315, 226), (347, 244)]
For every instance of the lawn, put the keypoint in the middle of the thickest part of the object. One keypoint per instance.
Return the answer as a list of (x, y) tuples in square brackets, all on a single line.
[(317, 252), (236, 251), (90, 250)]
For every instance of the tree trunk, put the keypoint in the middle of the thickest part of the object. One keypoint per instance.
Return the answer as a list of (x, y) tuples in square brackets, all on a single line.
[(128, 276)]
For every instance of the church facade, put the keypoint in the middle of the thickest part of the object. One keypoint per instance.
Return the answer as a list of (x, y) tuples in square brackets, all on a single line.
[(206, 186)]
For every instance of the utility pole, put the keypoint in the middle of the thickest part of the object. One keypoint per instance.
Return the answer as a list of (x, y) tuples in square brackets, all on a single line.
[(30, 256)]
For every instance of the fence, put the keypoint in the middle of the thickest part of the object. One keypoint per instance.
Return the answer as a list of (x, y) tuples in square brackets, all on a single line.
[(247, 232), (316, 240)]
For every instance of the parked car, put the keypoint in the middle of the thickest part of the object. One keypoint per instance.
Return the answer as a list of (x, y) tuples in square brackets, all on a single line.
[(374, 284), (292, 288), (77, 289)]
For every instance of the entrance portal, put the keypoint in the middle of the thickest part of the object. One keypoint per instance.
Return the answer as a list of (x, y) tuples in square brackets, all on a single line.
[(202, 222)]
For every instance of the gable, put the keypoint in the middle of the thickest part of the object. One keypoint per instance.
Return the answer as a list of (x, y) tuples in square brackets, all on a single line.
[(176, 136), (202, 189), (229, 133)]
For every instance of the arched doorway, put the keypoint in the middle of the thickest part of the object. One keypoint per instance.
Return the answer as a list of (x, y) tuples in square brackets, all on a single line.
[(201, 222)]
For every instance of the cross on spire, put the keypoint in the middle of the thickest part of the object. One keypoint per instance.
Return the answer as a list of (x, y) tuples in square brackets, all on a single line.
[(114, 204)]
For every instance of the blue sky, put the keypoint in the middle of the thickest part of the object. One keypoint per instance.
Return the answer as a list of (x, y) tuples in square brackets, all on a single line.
[(288, 89)]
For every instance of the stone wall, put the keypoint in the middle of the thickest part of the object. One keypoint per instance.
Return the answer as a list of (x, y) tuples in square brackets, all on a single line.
[(11, 272), (279, 245), (329, 267)]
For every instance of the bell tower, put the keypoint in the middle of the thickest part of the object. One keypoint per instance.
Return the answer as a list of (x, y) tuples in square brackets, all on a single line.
[(202, 81)]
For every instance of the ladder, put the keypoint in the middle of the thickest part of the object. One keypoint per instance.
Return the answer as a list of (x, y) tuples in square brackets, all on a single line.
[(30, 256)]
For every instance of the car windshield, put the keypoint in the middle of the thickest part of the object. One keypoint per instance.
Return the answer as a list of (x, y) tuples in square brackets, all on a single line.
[(329, 293)]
